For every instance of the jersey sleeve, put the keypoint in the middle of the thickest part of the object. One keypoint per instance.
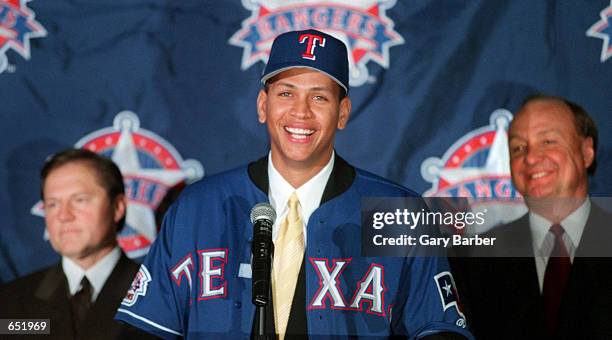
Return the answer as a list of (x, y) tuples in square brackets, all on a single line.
[(432, 303), (154, 303)]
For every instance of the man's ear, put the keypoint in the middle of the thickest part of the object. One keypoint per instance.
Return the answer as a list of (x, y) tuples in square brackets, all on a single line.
[(588, 152), (262, 106), (345, 112), (120, 208)]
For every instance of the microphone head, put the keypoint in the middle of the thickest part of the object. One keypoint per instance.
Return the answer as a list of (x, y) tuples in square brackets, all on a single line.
[(263, 211)]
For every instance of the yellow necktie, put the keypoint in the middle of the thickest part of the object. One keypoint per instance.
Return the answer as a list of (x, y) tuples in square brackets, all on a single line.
[(288, 256)]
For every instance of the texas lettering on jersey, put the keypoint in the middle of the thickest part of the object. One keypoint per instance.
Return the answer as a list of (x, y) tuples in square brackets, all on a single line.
[(368, 296), (200, 269)]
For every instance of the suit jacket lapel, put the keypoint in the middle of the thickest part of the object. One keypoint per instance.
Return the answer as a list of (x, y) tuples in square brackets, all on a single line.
[(110, 297), (514, 277), (53, 284), (595, 240), (53, 293), (588, 288), (515, 238)]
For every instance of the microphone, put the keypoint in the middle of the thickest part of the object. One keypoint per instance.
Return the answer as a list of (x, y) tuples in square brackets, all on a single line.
[(262, 217)]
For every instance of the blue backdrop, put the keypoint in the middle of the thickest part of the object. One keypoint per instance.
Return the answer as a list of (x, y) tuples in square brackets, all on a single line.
[(168, 89)]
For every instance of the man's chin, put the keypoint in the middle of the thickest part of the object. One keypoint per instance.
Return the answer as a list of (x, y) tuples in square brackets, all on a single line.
[(540, 191), (72, 252), (297, 156)]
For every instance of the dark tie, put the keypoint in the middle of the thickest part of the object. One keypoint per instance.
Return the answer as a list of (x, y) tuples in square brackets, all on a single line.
[(555, 278), (80, 303)]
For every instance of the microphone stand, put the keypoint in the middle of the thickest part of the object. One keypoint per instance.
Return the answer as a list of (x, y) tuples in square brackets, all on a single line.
[(260, 331), (260, 316)]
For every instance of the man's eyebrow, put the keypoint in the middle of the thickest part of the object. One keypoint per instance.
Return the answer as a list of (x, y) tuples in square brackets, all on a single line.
[(514, 136), (314, 88), (320, 88), (547, 131), (281, 83), (539, 133)]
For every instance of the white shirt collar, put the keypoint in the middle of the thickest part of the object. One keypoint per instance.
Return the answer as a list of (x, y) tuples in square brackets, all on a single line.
[(573, 225), (96, 275), (309, 194)]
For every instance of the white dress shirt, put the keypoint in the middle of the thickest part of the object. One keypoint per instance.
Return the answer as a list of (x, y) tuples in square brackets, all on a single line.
[(96, 275), (544, 241), (309, 194)]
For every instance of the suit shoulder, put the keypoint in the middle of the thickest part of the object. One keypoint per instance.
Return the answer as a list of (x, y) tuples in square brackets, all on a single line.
[(376, 185), (598, 213), (25, 282), (127, 266), (17, 296), (518, 226)]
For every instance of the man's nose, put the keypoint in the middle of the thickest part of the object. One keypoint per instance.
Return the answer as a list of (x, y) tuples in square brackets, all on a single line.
[(302, 108), (66, 212), (533, 155)]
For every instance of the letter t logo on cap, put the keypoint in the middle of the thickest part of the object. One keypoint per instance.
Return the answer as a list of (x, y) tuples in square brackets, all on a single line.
[(312, 41)]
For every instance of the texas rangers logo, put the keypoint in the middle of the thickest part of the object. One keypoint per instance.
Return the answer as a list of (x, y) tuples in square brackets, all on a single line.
[(17, 27), (138, 287), (477, 166), (311, 41), (602, 30), (150, 168), (361, 24)]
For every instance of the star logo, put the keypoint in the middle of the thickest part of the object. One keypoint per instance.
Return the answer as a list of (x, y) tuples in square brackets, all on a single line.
[(362, 25), (602, 30), (17, 27), (447, 288), (477, 167), (138, 287), (150, 168)]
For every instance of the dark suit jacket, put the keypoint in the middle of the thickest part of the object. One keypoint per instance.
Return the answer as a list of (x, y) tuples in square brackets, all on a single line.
[(501, 295), (45, 295)]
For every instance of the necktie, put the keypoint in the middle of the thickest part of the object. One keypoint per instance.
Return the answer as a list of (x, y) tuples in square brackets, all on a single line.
[(80, 303), (555, 278), (288, 255)]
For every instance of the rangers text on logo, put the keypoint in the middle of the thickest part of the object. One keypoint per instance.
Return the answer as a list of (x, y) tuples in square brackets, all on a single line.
[(362, 25)]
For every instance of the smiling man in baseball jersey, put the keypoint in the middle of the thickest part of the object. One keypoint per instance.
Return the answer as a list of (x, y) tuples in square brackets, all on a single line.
[(196, 280)]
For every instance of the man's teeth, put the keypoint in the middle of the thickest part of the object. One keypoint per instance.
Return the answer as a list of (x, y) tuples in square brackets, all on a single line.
[(538, 175), (299, 133)]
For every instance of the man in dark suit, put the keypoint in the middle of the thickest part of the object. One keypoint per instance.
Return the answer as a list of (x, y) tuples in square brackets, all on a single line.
[(549, 275), (84, 203)]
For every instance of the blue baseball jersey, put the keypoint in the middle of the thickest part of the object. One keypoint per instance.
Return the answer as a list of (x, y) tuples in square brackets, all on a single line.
[(195, 282)]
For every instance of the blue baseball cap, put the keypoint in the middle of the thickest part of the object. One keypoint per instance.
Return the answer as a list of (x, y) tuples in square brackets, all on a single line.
[(309, 49)]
